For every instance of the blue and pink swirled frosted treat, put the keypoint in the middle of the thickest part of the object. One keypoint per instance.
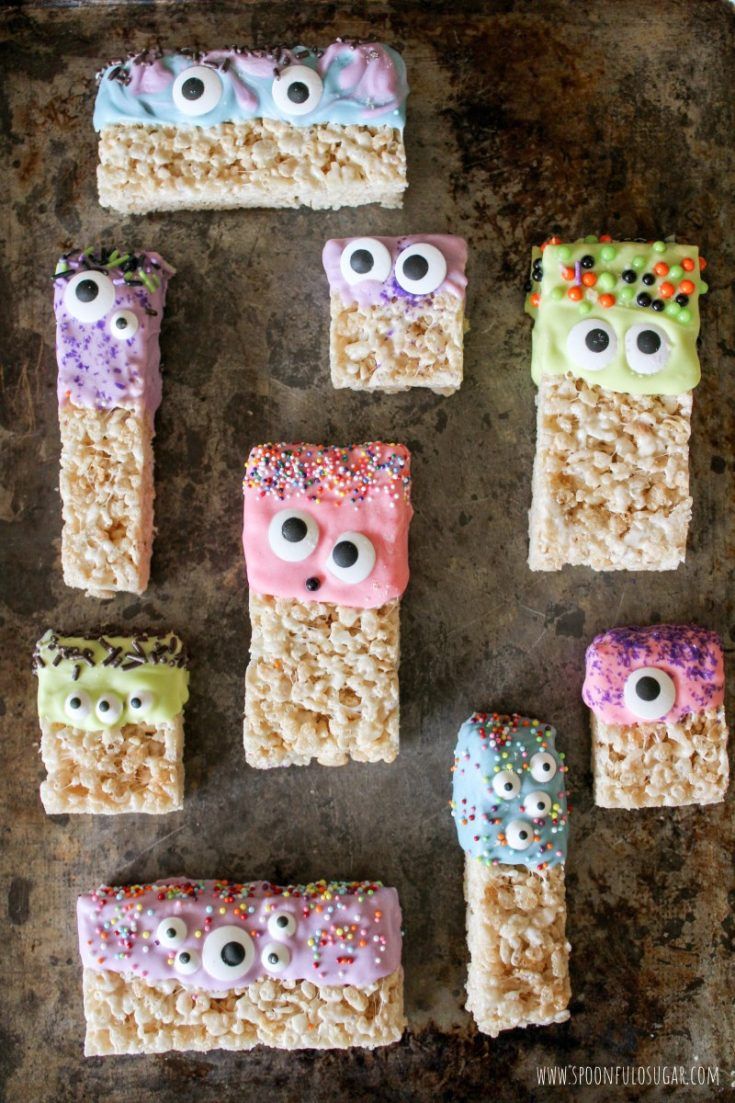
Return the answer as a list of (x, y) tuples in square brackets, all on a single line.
[(253, 127)]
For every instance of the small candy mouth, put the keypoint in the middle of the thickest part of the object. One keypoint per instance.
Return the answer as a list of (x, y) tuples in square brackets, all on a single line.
[(312, 584)]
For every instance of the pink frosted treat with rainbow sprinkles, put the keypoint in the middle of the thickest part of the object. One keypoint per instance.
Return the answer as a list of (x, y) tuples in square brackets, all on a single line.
[(326, 547), (202, 965), (397, 311), (109, 308), (659, 733)]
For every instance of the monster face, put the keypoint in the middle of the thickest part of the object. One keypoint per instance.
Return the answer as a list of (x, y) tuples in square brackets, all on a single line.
[(328, 524), (374, 270), (108, 317), (620, 315), (645, 675), (348, 83), (509, 800)]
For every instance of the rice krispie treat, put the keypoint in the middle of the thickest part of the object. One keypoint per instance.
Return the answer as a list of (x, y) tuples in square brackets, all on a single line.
[(510, 809), (615, 362), (397, 312), (326, 547), (111, 710), (108, 309), (237, 127), (659, 734), (202, 965)]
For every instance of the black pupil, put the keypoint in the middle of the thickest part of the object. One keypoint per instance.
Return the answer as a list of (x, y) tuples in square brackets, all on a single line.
[(104, 706), (648, 342), (345, 553), (361, 261), (184, 957), (415, 267), (294, 530), (273, 958), (545, 766), (523, 834), (282, 921), (87, 291), (171, 933), (121, 323), (192, 89), (597, 340), (648, 688), (508, 786), (232, 953), (135, 702), (298, 92), (75, 703)]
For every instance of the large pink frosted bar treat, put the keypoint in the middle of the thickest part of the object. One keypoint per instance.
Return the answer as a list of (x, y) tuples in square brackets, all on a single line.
[(326, 547), (397, 311), (109, 308), (184, 964), (659, 734)]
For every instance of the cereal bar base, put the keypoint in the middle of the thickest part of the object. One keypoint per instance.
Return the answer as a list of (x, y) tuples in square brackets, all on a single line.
[(610, 479), (106, 484), (661, 764), (393, 346), (519, 956), (258, 163), (136, 768), (126, 1014), (322, 683)]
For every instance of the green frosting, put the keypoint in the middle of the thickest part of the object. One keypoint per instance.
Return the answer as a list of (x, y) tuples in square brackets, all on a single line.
[(556, 314), (109, 681)]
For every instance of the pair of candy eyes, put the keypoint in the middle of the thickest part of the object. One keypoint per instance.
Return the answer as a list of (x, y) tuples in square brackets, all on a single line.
[(228, 952), (293, 535), (507, 783), (420, 268), (295, 91), (593, 344), (109, 707), (90, 295)]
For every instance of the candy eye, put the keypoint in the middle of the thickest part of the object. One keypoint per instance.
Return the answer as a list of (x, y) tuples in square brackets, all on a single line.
[(187, 961), (124, 324), (297, 90), (89, 296), (171, 932), (592, 344), (420, 269), (352, 558), (649, 693), (519, 834), (197, 90), (507, 784), (537, 804), (647, 349), (109, 708), (366, 258), (293, 535), (228, 953), (275, 957), (543, 766), (281, 925), (139, 701), (78, 705)]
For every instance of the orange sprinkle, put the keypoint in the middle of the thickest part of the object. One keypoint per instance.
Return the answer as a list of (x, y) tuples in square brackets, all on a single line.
[(567, 273), (661, 269), (606, 300), (688, 264), (575, 293), (589, 279), (605, 237), (666, 290), (535, 299), (687, 287), (702, 264)]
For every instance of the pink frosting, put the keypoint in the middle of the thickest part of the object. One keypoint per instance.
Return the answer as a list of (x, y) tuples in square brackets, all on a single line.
[(354, 929), (370, 76), (361, 489), (692, 657), (372, 292)]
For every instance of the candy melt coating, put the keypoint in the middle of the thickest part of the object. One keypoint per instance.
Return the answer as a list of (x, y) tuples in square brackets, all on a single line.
[(630, 288), (344, 933), (490, 744), (364, 83), (363, 489), (149, 669), (373, 292), (691, 656), (97, 370)]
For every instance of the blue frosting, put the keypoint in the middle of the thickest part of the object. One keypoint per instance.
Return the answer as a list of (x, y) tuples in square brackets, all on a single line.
[(511, 750), (377, 97)]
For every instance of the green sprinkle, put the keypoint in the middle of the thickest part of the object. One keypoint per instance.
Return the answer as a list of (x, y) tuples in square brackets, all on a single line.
[(565, 253), (590, 239), (606, 281), (608, 252), (584, 307), (62, 266), (659, 246), (685, 316), (676, 272), (557, 294), (672, 309), (638, 262), (703, 287), (626, 294)]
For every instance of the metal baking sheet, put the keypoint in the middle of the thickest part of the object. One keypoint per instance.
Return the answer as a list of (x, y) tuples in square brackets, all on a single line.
[(525, 117)]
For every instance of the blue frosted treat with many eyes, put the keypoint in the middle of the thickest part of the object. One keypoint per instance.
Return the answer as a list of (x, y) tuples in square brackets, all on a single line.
[(509, 797)]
